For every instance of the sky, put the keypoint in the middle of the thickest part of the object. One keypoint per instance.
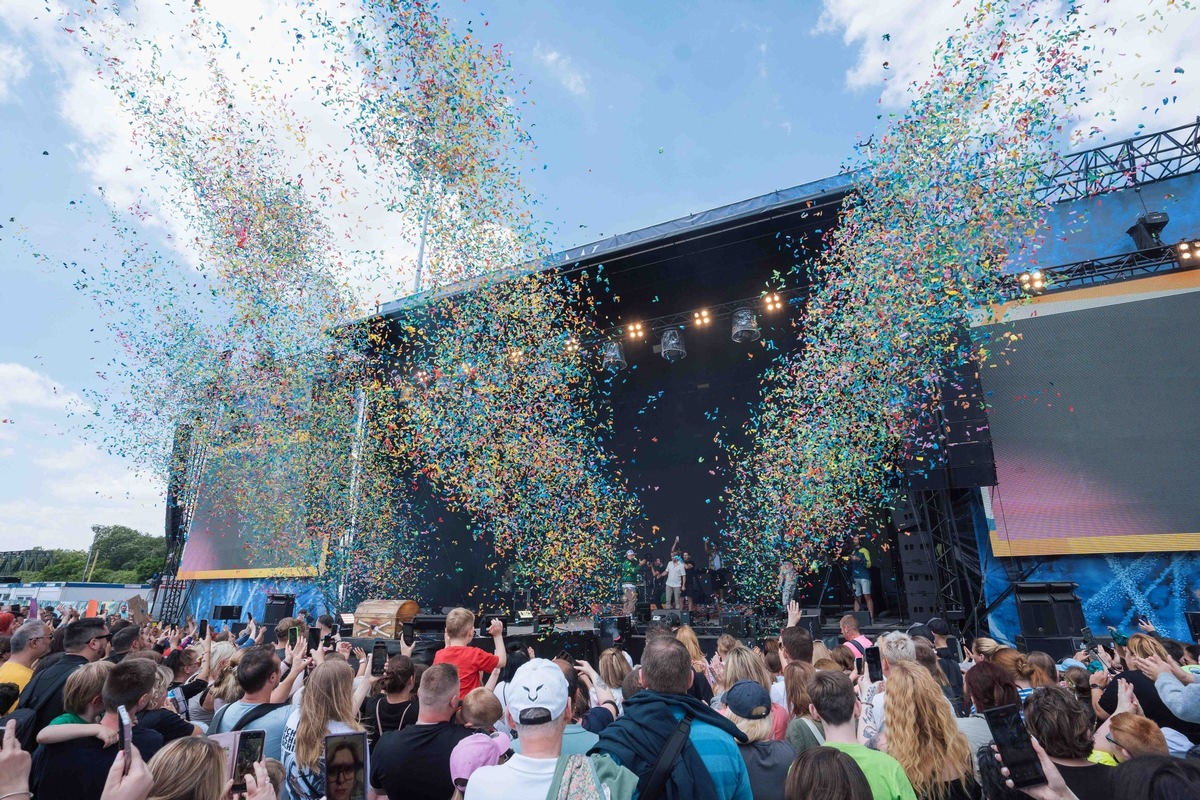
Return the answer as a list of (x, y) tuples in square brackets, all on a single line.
[(641, 113)]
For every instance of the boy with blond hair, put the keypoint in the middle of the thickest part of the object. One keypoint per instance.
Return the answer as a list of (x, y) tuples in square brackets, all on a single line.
[(470, 661)]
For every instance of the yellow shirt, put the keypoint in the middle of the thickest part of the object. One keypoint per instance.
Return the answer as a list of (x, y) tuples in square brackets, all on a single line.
[(12, 672)]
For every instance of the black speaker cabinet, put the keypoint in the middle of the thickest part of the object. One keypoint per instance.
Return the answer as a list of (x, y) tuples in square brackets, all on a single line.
[(279, 607), (1049, 609)]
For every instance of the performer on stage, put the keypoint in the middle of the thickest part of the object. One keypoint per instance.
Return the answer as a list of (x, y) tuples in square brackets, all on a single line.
[(653, 573), (860, 575), (629, 576), (716, 570), (787, 583), (675, 582)]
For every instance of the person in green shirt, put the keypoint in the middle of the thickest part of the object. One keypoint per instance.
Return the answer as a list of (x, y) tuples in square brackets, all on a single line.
[(836, 706)]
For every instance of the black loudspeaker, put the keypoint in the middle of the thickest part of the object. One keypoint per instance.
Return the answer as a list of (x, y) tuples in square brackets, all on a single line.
[(615, 631), (1058, 647), (904, 516), (666, 616), (685, 618), (226, 612), (812, 624), (279, 607), (642, 614), (429, 626), (863, 618), (1049, 609), (1193, 622), (739, 626)]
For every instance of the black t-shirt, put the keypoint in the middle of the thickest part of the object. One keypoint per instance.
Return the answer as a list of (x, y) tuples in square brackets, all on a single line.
[(1152, 705), (413, 763), (701, 689), (78, 769), (380, 716), (169, 724), (1094, 780)]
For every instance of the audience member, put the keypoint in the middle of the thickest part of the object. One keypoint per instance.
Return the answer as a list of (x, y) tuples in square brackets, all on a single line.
[(1134, 735), (124, 642), (78, 768), (985, 686), (1142, 647), (748, 706), (923, 737), (826, 773), (195, 768), (803, 731), (472, 754), (257, 675), (1154, 777), (27, 644), (84, 641), (470, 661), (1045, 670), (835, 706), (843, 656), (613, 668), (1018, 668), (927, 658), (414, 761), (328, 706), (1058, 721), (480, 711), (396, 706), (709, 765), (894, 648), (743, 664), (162, 717), (853, 638)]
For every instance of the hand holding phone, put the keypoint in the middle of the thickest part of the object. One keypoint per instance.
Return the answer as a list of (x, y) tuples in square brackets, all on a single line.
[(858, 665), (203, 633), (379, 657), (1015, 748), (126, 736), (249, 752), (293, 637), (874, 662)]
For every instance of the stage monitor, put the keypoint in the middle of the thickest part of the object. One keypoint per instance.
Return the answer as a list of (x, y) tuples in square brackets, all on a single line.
[(1094, 408)]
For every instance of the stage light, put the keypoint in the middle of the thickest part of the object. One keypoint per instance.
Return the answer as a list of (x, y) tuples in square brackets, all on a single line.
[(1032, 282), (572, 345), (772, 302), (421, 377), (1147, 231), (671, 345), (1189, 253), (515, 355), (745, 326), (636, 331), (612, 356), (701, 317)]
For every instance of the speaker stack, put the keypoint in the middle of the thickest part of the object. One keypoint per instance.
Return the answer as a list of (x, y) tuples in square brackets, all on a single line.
[(1051, 617), (279, 607)]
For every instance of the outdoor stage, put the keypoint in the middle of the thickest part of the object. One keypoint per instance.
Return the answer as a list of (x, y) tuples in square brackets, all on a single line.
[(1068, 456)]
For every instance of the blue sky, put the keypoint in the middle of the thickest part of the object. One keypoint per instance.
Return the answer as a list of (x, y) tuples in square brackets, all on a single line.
[(642, 112)]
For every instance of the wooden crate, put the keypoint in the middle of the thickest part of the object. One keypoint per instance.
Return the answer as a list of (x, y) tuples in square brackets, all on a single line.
[(383, 619)]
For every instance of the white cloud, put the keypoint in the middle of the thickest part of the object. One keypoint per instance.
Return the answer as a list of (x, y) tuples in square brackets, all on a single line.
[(14, 67), (1138, 48), (560, 66), (24, 388)]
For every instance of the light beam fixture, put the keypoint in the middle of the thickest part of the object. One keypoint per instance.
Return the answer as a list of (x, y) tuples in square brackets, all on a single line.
[(772, 302), (1033, 282), (636, 331), (701, 317), (745, 326), (612, 356), (672, 346)]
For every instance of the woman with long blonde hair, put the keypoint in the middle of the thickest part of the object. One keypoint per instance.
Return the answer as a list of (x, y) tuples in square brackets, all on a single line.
[(702, 685), (923, 736), (328, 706), (613, 669), (743, 664)]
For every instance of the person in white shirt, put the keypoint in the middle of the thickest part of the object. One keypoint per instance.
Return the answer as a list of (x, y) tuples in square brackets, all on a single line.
[(676, 581), (537, 705)]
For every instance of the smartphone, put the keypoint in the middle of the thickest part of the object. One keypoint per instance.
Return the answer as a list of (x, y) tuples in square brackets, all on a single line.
[(954, 647), (178, 701), (379, 657), (249, 617), (858, 664), (563, 655), (347, 764), (203, 633), (314, 639), (126, 736), (1012, 740), (293, 637), (874, 664), (249, 752)]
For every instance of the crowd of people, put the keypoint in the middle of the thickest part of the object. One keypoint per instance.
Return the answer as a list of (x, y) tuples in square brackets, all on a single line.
[(786, 717)]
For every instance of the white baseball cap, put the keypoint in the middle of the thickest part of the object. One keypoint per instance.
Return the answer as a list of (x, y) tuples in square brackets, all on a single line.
[(537, 693)]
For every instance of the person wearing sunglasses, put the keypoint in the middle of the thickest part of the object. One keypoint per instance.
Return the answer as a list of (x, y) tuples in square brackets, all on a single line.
[(29, 642), (84, 642)]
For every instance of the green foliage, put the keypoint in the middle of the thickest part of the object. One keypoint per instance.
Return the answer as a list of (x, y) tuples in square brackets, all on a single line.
[(67, 566), (123, 555)]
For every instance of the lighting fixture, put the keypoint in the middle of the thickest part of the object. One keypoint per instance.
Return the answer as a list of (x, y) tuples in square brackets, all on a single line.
[(772, 302), (701, 317), (1189, 252), (672, 346), (572, 345), (636, 331), (1032, 281), (612, 356), (745, 326)]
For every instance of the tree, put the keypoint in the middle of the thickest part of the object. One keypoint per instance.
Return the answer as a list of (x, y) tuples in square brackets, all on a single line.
[(67, 565), (121, 549)]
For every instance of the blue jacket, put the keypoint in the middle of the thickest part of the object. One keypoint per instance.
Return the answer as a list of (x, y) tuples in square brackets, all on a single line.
[(710, 766)]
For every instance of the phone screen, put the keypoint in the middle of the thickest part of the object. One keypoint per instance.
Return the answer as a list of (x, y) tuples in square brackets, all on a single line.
[(293, 637), (346, 766), (314, 639), (858, 664), (874, 664), (1012, 740), (249, 752), (379, 657), (126, 735), (178, 701), (203, 629)]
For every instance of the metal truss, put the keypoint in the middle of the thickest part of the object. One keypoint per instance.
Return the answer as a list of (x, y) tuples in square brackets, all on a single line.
[(1108, 269), (16, 561), (170, 601), (936, 515), (1123, 165)]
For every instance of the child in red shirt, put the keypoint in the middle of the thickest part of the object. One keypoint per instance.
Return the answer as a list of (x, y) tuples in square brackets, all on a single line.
[(470, 661)]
